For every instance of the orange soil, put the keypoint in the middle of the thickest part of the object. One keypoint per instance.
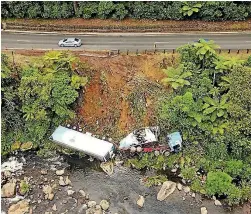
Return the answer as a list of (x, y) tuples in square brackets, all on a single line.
[(105, 100)]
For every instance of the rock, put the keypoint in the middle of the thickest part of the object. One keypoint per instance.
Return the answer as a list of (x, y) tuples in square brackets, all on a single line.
[(217, 203), (186, 189), (91, 204), (54, 207), (20, 208), (214, 198), (26, 146), (15, 146), (16, 199), (183, 181), (119, 163), (107, 167), (104, 204), (167, 188), (183, 198), (179, 186), (48, 192), (141, 201), (94, 210), (8, 190), (193, 195), (82, 192), (63, 182), (70, 192), (82, 208), (67, 181), (64, 201), (203, 210), (60, 172), (174, 170), (43, 172)]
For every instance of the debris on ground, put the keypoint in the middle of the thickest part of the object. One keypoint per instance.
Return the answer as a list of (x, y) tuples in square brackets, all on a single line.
[(140, 137), (12, 165), (104, 205)]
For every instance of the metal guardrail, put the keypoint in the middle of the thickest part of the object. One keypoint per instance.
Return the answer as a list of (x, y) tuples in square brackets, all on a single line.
[(135, 51)]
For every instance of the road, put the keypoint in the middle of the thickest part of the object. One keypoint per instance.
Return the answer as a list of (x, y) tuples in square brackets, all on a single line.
[(122, 41)]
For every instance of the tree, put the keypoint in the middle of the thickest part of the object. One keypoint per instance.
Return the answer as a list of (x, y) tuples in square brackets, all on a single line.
[(47, 93), (190, 8), (205, 49), (215, 107), (177, 77)]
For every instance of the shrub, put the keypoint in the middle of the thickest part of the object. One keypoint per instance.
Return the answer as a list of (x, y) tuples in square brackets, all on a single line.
[(218, 183)]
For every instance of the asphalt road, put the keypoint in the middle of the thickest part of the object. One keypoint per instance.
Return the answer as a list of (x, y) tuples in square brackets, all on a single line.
[(122, 41)]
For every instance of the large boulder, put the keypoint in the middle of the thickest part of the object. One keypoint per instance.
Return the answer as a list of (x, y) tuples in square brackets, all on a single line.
[(8, 190), (167, 188), (20, 208)]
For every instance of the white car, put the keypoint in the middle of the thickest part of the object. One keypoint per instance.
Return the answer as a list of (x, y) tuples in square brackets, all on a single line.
[(70, 42)]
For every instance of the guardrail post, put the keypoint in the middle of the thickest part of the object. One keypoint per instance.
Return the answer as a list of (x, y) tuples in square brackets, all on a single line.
[(173, 51), (247, 51), (229, 50), (137, 52), (238, 51), (219, 51), (127, 52), (118, 51), (164, 51)]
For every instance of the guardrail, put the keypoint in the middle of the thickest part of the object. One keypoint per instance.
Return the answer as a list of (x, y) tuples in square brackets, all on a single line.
[(114, 52)]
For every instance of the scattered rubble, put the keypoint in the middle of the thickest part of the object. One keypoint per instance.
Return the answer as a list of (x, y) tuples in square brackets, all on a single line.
[(12, 165), (60, 172), (186, 189)]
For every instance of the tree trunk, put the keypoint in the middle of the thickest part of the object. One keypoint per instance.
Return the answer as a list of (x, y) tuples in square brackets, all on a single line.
[(75, 5)]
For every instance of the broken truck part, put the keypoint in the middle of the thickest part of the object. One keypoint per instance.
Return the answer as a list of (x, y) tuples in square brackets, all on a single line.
[(140, 137), (146, 140), (100, 149)]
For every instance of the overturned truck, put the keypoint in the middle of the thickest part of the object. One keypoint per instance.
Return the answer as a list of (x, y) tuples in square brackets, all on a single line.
[(100, 149)]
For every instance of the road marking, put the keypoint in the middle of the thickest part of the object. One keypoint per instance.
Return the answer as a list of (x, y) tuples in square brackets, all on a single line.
[(23, 40)]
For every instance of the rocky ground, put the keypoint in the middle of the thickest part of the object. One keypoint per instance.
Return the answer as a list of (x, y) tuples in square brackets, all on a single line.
[(31, 184)]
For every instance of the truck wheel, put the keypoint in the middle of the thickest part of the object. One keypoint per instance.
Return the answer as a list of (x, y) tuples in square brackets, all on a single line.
[(139, 149), (133, 149)]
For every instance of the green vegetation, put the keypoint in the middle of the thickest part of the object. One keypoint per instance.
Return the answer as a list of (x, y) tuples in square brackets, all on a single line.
[(24, 187), (37, 97), (213, 114), (210, 105), (210, 11)]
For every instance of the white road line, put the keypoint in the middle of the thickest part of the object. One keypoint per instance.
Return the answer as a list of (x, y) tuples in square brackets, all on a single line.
[(23, 40)]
